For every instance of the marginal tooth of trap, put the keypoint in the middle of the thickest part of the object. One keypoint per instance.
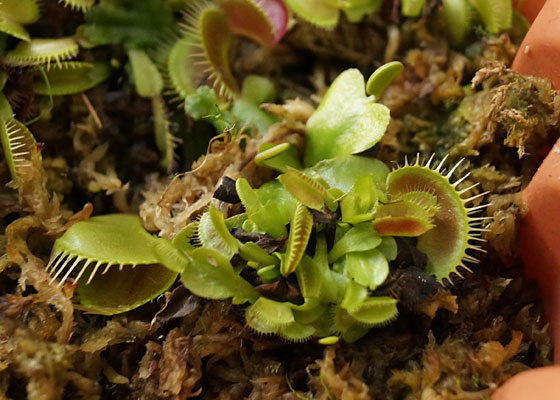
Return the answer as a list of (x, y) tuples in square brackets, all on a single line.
[(452, 170), (65, 277), (472, 210), (479, 230), (97, 265), (478, 248), (458, 181), (82, 270), (427, 165), (476, 196), (54, 260), (406, 161), (478, 239), (471, 259), (17, 146), (109, 265), (417, 159), (471, 187), (482, 219), (60, 269), (441, 163), (458, 274), (462, 265)]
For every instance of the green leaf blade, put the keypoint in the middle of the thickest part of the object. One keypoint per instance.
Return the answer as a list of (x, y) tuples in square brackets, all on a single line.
[(368, 268), (346, 122)]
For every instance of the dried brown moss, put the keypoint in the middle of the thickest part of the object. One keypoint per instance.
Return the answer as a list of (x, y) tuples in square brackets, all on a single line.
[(179, 348)]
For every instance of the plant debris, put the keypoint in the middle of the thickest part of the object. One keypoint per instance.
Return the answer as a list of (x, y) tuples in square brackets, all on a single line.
[(107, 150)]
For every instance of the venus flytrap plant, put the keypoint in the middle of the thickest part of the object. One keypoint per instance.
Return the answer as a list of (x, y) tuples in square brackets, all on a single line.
[(364, 123), (179, 71), (306, 190), (70, 77), (300, 230), (149, 84), (454, 227), (495, 15), (412, 8), (78, 5), (278, 157), (459, 15), (19, 145), (326, 13), (209, 31), (16, 13), (42, 51), (326, 287), (115, 263), (214, 234), (214, 40)]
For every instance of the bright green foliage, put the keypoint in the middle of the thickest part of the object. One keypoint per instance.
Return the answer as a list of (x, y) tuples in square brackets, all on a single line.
[(318, 12), (300, 230), (42, 51), (459, 15), (361, 237), (249, 114), (255, 91), (70, 77), (14, 14), (214, 235), (210, 275), (335, 171), (359, 204), (278, 157), (382, 78), (180, 69), (244, 111), (358, 261), (267, 216), (346, 121), (117, 264), (447, 241), (351, 202), (258, 90), (496, 14), (20, 11), (134, 24), (412, 8), (325, 13), (165, 141), (201, 104), (147, 79), (18, 144), (355, 10), (368, 268), (305, 189), (215, 39)]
